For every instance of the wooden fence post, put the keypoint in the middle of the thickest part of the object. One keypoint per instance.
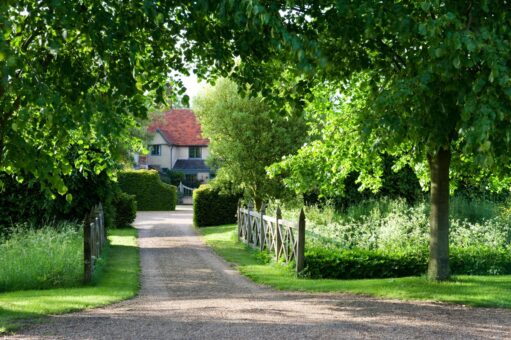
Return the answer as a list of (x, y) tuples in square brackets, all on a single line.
[(262, 234), (278, 237), (249, 229), (97, 237), (239, 219), (94, 239), (300, 244), (102, 225), (87, 256)]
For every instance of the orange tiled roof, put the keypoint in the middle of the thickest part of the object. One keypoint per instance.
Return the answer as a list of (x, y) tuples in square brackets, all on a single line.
[(179, 127)]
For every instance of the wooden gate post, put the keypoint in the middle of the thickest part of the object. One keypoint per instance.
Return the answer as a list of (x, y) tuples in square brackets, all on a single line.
[(262, 234), (249, 229), (300, 244), (87, 256), (278, 236)]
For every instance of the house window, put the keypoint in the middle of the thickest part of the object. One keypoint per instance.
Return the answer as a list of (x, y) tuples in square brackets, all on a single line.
[(155, 150), (194, 152)]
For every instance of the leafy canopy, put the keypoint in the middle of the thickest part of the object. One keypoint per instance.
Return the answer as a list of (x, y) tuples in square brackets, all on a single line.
[(246, 135), (435, 73), (74, 74)]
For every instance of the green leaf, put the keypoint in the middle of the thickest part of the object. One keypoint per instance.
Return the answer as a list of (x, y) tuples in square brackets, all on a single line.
[(456, 62), (62, 189), (186, 100)]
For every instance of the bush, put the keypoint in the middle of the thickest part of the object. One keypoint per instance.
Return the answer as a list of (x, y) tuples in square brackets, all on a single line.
[(480, 260), (125, 209), (150, 192), (210, 207), (321, 262), (28, 203), (361, 263), (393, 234), (172, 177), (387, 224), (49, 257)]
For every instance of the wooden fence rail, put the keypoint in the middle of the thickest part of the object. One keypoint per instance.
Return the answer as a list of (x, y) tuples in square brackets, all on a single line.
[(282, 238), (94, 238)]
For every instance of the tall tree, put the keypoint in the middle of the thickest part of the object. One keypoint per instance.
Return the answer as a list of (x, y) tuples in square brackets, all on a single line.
[(73, 74), (246, 135), (437, 78)]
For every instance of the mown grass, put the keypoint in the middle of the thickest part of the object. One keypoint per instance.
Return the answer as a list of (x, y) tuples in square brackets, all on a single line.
[(481, 291), (117, 279)]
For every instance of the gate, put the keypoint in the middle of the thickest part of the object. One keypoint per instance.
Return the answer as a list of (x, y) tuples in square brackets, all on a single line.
[(185, 194)]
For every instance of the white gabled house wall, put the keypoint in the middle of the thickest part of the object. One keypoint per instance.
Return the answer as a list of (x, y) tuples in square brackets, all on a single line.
[(162, 160), (182, 152), (169, 154)]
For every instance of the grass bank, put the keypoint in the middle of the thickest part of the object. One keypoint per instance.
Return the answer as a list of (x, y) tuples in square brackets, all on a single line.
[(118, 279), (487, 291)]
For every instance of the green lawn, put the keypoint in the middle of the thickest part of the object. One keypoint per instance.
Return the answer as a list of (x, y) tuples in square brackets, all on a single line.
[(488, 291), (118, 279)]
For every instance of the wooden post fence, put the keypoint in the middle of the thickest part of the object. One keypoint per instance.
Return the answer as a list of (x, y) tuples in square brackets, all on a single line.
[(278, 234), (282, 238), (262, 232), (300, 243), (94, 239), (249, 220), (239, 217)]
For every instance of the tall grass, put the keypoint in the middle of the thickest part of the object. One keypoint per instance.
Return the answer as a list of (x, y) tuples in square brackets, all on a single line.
[(394, 224), (49, 257)]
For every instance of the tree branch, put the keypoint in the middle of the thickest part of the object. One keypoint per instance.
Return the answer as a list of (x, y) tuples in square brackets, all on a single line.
[(469, 15), (31, 38), (396, 58)]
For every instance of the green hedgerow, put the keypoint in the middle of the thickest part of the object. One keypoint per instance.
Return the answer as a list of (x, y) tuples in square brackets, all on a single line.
[(125, 209), (150, 192), (210, 207)]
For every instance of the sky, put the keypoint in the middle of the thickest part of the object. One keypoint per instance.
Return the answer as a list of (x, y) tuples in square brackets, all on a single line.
[(192, 86)]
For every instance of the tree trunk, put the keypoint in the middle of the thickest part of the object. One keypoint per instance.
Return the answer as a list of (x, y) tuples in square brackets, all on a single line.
[(438, 267), (258, 203)]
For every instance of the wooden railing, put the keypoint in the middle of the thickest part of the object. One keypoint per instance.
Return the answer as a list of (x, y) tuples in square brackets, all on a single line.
[(94, 238), (282, 238)]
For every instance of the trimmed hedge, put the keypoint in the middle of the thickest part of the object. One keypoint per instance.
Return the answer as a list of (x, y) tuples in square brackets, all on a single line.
[(361, 263), (212, 208), (125, 209), (150, 192), (480, 261)]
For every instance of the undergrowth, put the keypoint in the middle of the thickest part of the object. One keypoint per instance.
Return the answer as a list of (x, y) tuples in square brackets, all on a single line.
[(390, 237)]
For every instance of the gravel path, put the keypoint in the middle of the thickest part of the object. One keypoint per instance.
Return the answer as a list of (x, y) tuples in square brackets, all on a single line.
[(190, 293)]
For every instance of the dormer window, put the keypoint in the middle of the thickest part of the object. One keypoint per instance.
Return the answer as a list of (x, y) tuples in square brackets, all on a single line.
[(155, 150), (194, 152)]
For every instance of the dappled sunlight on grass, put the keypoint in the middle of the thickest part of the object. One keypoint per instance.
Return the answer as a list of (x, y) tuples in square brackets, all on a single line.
[(488, 291)]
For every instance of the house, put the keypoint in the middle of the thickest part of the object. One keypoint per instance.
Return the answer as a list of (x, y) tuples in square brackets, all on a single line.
[(177, 144)]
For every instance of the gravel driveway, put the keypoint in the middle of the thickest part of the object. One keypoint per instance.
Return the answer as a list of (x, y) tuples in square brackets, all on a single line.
[(190, 293)]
